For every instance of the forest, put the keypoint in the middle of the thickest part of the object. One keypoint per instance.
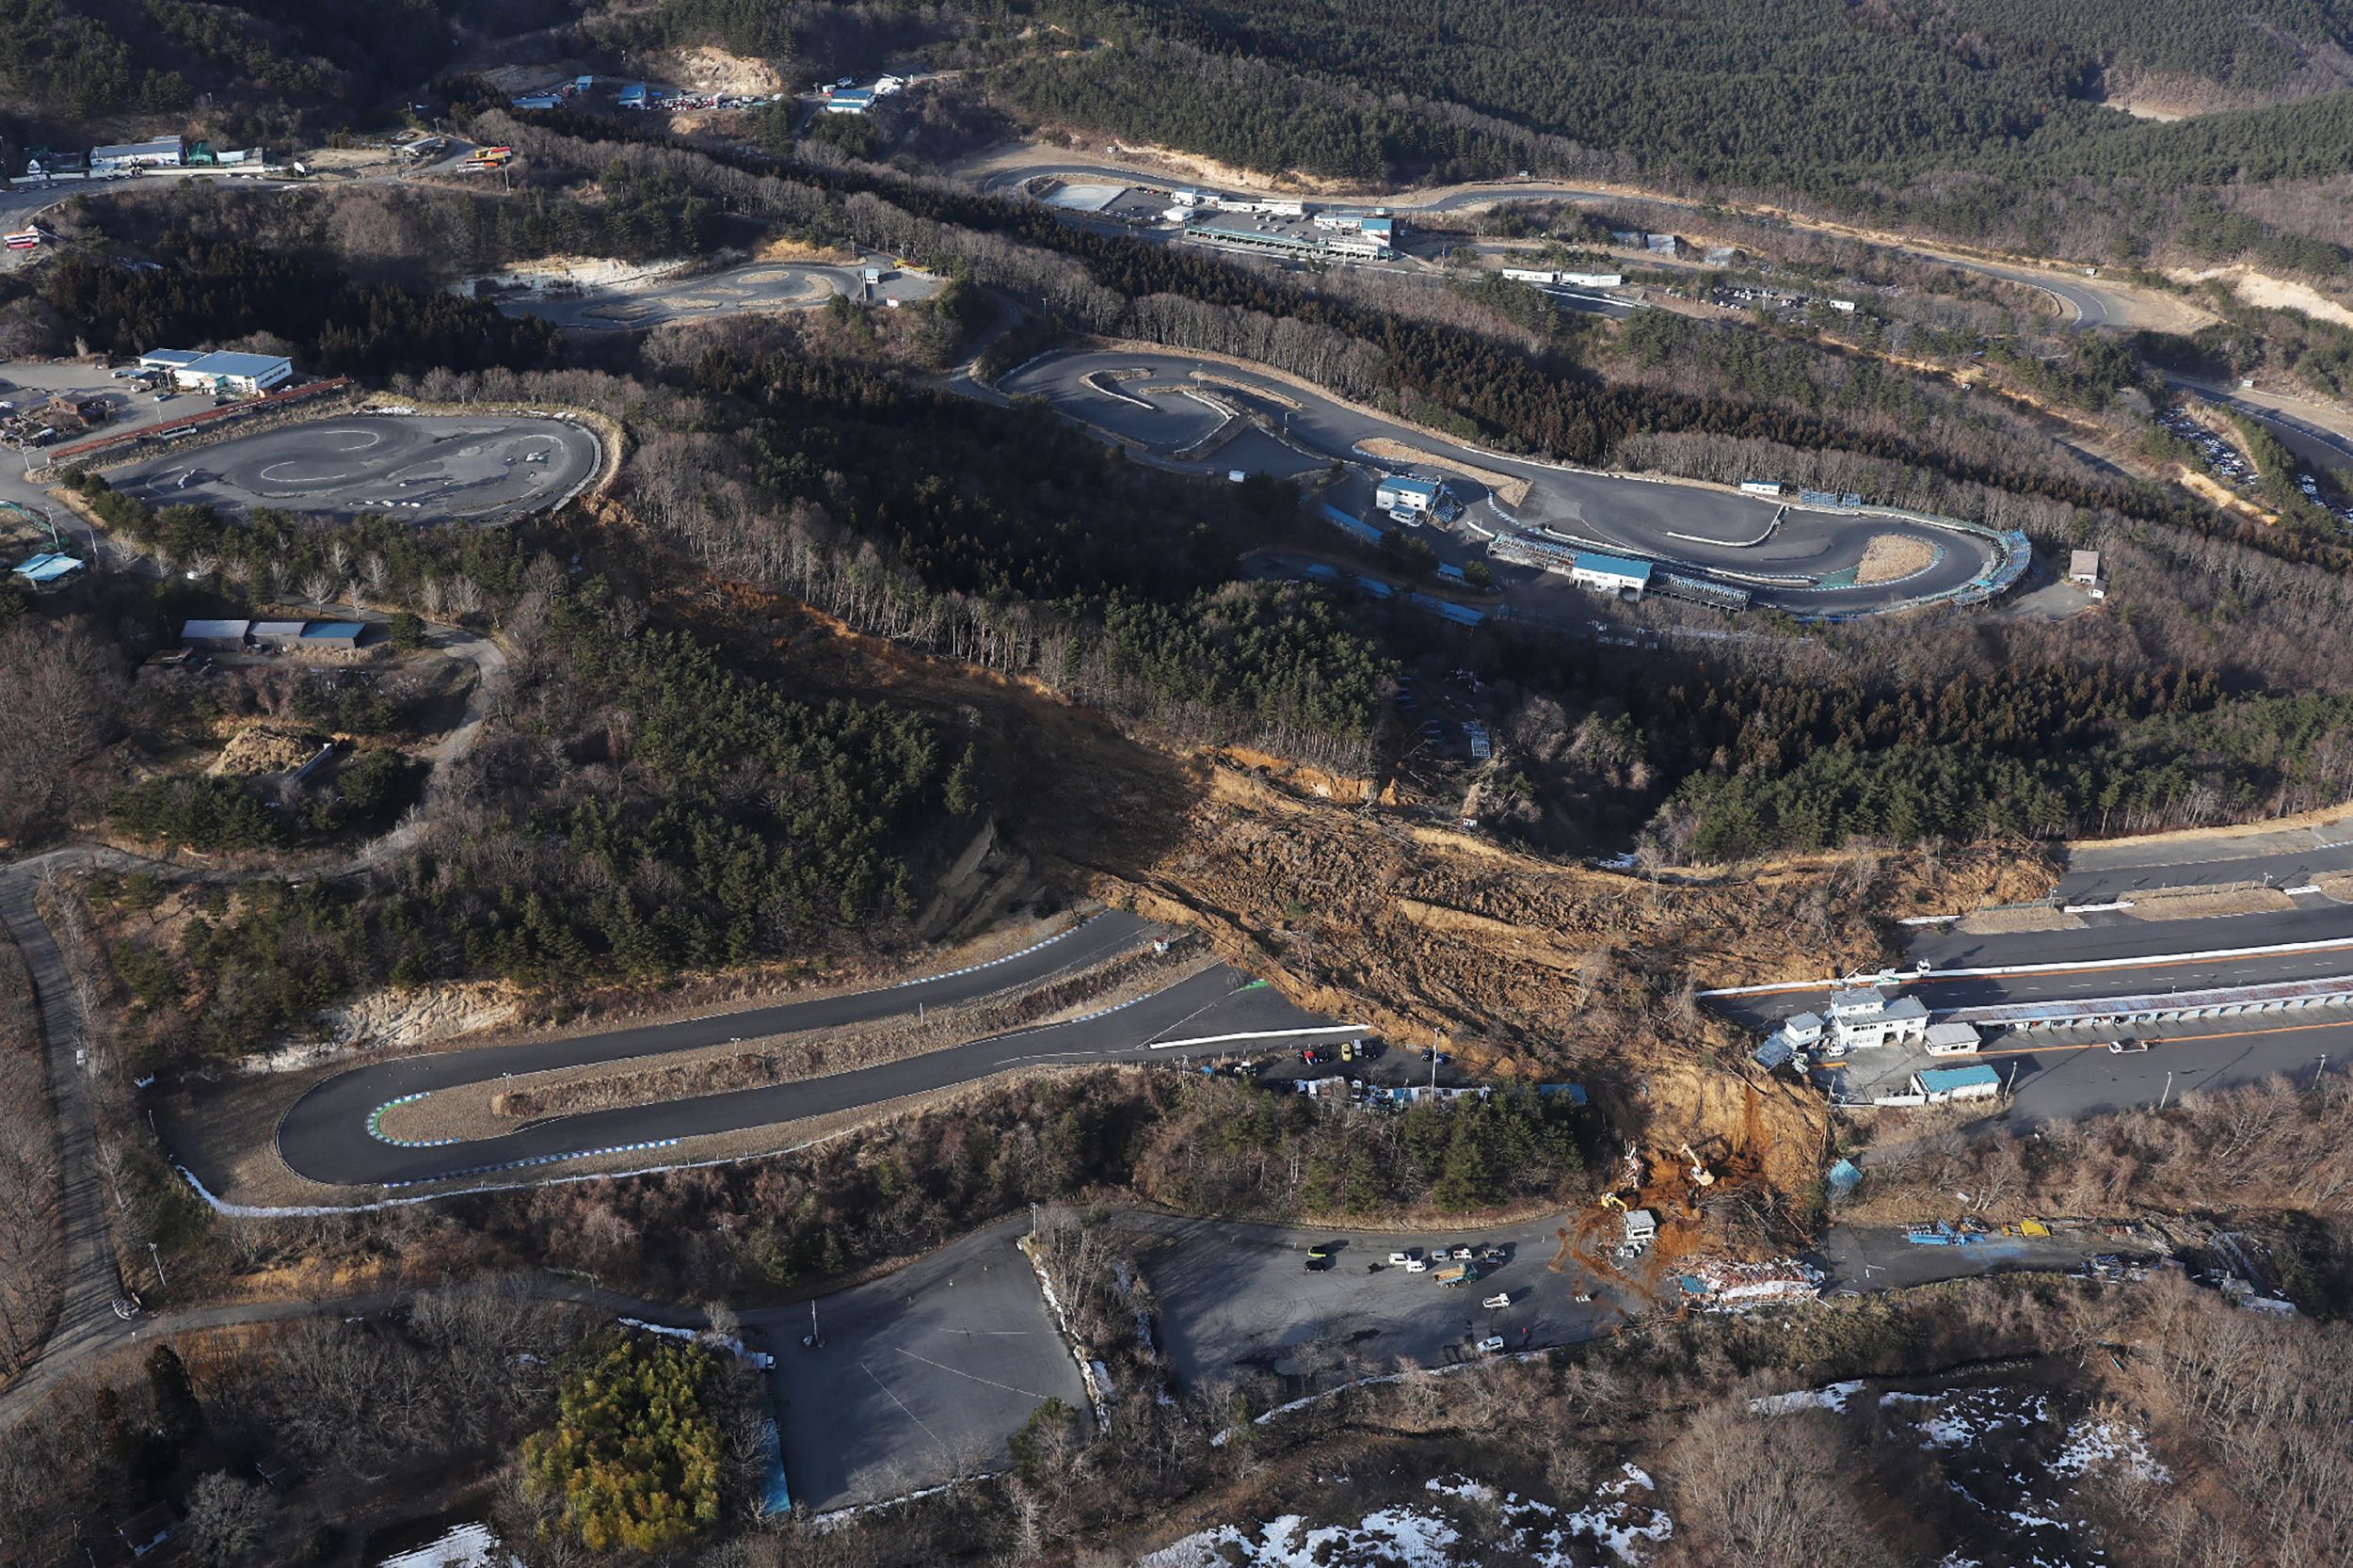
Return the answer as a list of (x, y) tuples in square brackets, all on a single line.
[(1870, 113), (208, 291)]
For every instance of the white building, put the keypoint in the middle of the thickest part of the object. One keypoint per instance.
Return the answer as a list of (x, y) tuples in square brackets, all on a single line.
[(1760, 487), (1951, 1039), (1641, 1227), (162, 152), (1404, 495), (1609, 574), (2083, 569), (221, 371), (1863, 1017)]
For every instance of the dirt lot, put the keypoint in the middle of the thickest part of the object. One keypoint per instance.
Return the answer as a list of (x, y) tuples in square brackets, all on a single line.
[(1890, 558)]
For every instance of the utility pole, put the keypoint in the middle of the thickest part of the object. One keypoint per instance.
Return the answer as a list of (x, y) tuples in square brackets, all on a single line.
[(2319, 1071), (158, 1257), (2169, 1090)]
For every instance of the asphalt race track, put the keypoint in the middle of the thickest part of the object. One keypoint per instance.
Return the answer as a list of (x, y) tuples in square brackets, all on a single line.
[(432, 468), (1804, 564), (325, 1136)]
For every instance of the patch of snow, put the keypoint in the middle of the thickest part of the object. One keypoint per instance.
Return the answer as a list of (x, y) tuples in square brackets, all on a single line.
[(474, 1545), (1834, 1398), (1462, 1486), (2092, 1443)]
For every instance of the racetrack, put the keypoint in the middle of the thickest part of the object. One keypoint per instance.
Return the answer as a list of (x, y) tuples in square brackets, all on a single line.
[(432, 468), (1805, 562), (328, 1137)]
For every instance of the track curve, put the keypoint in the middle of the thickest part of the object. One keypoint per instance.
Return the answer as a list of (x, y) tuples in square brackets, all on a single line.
[(1801, 561), (327, 1137)]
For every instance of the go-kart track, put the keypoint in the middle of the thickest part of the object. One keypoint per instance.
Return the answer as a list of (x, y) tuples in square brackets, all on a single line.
[(420, 468), (1809, 561)]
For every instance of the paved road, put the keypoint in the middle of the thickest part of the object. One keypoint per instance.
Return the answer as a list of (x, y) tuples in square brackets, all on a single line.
[(85, 1315), (325, 1136), (1713, 532), (2073, 1075), (416, 468)]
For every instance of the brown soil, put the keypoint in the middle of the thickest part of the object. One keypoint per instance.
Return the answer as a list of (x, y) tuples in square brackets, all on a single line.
[(265, 748), (1889, 557), (1513, 492), (2184, 906), (1995, 922), (781, 247)]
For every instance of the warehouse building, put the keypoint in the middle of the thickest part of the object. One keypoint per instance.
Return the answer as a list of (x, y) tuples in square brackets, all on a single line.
[(849, 100), (1951, 1039), (275, 634), (332, 637), (162, 152), (1609, 574), (1760, 487), (221, 371), (221, 636)]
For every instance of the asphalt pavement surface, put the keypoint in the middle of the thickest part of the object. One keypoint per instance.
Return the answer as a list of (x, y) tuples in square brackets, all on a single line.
[(1785, 557), (921, 1376), (417, 468), (750, 289), (325, 1136)]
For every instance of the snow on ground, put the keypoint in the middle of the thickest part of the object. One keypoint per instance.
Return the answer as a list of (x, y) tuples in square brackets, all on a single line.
[(474, 1546), (1427, 1536), (1834, 1397), (2093, 1443)]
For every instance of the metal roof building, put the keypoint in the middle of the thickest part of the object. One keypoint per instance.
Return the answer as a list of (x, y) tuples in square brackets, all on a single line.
[(1609, 574), (48, 570), (169, 359), (162, 152), (1957, 1083), (225, 370), (850, 101), (225, 635), (275, 634), (333, 634)]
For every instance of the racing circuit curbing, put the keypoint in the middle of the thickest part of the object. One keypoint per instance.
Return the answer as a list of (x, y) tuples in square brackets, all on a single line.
[(419, 468)]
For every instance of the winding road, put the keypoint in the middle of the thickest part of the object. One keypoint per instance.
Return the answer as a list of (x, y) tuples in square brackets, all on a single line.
[(328, 1135)]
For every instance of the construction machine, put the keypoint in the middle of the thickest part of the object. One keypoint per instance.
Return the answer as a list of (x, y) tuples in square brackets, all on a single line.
[(1701, 1175)]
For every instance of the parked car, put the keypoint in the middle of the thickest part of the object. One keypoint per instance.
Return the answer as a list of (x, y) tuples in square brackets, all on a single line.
[(1462, 1255), (1417, 1266), (1497, 1302), (1490, 1345), (1400, 1257), (2127, 1048), (1318, 1253)]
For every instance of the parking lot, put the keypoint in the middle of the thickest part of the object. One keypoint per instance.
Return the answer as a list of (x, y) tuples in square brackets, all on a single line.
[(923, 1376), (1240, 1303), (130, 406)]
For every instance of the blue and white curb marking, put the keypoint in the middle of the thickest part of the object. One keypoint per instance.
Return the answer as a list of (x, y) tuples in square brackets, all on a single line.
[(376, 1127), (975, 968), (539, 1160)]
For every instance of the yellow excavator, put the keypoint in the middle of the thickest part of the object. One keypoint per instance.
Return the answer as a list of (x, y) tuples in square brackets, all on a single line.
[(1701, 1175), (1611, 1200)]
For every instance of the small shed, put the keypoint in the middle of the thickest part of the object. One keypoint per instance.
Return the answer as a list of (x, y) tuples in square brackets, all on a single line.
[(339, 636), (221, 636), (1641, 1227), (275, 634), (1951, 1038)]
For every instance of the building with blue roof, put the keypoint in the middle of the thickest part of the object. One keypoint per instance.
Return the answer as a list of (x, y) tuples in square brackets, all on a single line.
[(1404, 495), (337, 634), (48, 570), (1941, 1085), (1609, 574), (849, 100)]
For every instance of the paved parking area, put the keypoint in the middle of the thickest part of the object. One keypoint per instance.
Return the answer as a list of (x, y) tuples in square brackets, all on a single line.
[(923, 1374), (1238, 1302)]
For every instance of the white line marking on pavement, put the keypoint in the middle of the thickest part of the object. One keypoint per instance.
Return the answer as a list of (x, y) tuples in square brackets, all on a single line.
[(1025, 1393), (901, 1404), (2144, 961)]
